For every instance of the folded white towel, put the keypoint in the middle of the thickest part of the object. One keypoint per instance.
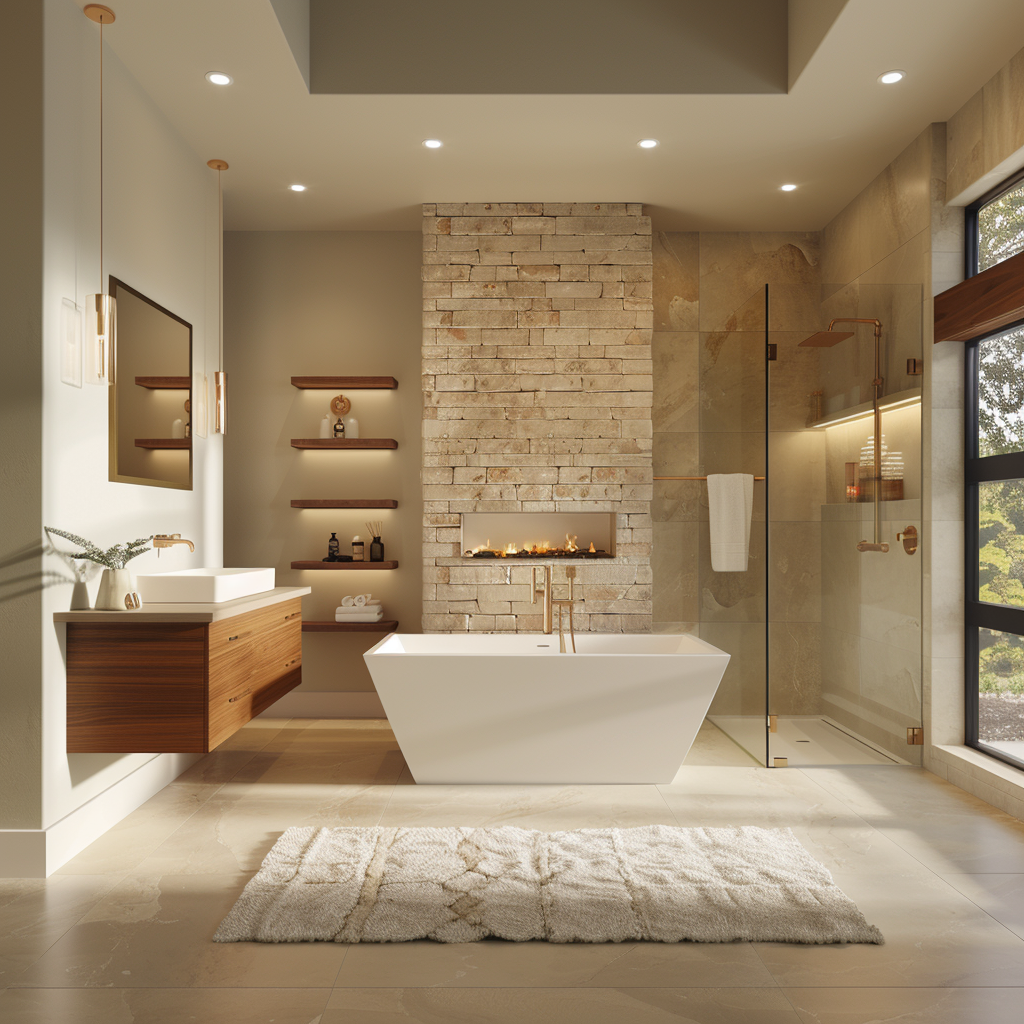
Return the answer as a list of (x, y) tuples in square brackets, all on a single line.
[(347, 601), (360, 600), (730, 502), (373, 609), (359, 615)]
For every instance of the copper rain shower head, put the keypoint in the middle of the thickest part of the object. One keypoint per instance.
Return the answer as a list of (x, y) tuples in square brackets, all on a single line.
[(826, 339)]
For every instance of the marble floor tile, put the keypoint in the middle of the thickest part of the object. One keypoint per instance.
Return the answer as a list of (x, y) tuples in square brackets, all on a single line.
[(945, 828), (233, 833), (123, 933), (713, 747), (133, 838), (934, 937), (33, 916), (549, 808), (156, 932), (907, 1005), (1001, 896), (496, 964), (166, 1006), (559, 1006)]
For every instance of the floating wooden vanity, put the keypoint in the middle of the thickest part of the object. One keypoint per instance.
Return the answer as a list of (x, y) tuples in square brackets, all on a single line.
[(179, 678)]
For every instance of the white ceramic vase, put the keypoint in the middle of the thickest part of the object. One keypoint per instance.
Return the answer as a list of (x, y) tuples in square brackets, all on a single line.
[(117, 592), (80, 597)]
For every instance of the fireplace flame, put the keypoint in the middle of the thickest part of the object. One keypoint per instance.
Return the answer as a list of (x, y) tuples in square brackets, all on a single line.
[(533, 548)]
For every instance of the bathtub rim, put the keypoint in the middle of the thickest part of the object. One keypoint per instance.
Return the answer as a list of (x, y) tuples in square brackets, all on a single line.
[(708, 650)]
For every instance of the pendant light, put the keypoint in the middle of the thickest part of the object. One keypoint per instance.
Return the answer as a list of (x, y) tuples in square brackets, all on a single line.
[(100, 309), (220, 378)]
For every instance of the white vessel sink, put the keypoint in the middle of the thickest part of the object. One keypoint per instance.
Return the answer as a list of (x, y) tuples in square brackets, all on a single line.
[(203, 586)]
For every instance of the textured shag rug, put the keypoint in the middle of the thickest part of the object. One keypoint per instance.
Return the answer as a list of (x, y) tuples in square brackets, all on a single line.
[(657, 883)]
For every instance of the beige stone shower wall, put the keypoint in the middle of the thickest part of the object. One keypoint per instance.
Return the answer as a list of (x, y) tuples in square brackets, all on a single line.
[(537, 382), (709, 417)]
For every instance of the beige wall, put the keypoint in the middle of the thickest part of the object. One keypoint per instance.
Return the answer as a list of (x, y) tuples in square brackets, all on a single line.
[(986, 136), (323, 303), (21, 408)]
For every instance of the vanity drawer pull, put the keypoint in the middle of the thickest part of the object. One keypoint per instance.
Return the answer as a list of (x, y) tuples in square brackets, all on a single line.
[(294, 661), (231, 700), (294, 615), (235, 637)]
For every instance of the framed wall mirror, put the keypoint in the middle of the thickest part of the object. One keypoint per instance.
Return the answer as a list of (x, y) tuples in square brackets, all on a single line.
[(150, 417)]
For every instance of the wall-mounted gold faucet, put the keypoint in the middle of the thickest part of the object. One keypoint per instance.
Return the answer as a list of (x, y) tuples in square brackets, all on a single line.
[(166, 540)]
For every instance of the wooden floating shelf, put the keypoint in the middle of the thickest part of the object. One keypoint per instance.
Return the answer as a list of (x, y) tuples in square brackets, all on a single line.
[(346, 383), (383, 626), (176, 443), (168, 383), (342, 443), (344, 503), (344, 565)]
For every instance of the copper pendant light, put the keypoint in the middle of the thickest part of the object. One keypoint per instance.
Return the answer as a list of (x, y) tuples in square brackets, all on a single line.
[(100, 308), (220, 378)]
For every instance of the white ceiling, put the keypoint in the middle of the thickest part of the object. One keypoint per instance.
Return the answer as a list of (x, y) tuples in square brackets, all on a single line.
[(721, 159)]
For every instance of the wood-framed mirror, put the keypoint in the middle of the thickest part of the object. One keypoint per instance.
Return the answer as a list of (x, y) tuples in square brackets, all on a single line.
[(150, 420)]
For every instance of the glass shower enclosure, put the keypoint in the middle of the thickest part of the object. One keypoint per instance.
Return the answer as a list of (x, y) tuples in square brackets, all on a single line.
[(824, 627)]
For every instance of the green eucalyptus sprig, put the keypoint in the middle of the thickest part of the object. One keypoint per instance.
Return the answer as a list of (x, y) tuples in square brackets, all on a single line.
[(116, 557)]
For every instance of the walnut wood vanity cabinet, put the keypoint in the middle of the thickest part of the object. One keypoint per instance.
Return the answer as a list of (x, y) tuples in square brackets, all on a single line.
[(180, 686)]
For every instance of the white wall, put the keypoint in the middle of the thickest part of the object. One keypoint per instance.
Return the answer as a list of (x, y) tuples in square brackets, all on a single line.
[(161, 238)]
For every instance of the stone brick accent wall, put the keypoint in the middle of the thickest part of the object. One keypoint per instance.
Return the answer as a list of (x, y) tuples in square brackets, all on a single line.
[(537, 324)]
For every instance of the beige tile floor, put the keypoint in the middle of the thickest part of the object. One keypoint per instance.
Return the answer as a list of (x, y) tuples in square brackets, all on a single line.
[(122, 933)]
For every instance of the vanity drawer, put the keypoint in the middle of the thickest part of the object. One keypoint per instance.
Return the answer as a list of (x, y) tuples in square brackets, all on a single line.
[(226, 635), (254, 660)]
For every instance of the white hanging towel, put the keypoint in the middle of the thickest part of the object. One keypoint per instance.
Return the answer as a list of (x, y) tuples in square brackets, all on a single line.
[(730, 502)]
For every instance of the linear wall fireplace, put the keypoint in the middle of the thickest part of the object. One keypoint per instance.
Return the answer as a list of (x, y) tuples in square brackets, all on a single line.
[(538, 534)]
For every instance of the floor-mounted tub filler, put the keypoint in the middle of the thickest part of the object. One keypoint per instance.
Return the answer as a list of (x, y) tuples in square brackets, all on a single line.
[(509, 708)]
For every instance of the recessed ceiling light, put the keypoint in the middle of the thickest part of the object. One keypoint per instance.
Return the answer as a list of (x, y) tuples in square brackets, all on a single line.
[(892, 77), (647, 143), (433, 143), (788, 188), (297, 188), (219, 78)]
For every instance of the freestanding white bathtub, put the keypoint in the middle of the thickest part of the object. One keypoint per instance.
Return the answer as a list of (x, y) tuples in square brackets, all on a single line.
[(508, 708)]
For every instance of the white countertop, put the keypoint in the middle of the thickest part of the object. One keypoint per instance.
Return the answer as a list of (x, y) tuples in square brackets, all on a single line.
[(188, 612)]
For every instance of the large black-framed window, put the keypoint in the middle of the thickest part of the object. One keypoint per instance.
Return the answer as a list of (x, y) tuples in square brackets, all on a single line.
[(994, 548), (994, 495)]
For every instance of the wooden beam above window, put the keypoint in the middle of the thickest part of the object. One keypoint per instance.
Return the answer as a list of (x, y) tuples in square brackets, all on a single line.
[(982, 304)]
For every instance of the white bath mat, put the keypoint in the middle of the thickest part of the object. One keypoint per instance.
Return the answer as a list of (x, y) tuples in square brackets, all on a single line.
[(657, 882)]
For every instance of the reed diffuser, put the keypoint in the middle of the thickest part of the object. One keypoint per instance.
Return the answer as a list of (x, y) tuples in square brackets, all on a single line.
[(376, 546)]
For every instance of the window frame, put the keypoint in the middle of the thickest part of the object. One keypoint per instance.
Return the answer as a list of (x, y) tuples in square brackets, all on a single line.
[(972, 253), (977, 470), (979, 614)]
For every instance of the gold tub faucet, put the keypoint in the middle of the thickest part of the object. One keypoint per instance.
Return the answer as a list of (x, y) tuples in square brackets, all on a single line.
[(550, 603)]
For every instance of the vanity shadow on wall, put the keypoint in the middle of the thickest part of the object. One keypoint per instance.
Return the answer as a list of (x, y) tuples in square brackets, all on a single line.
[(150, 426)]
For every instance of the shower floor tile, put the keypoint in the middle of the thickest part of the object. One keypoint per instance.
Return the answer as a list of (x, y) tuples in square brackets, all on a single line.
[(805, 740)]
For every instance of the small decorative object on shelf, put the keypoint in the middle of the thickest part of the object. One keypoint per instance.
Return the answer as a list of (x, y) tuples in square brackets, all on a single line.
[(376, 546), (333, 546), (341, 406), (326, 427), (358, 548), (117, 586)]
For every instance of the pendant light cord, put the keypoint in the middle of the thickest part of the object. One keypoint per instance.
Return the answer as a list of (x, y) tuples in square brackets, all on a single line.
[(220, 272), (102, 289)]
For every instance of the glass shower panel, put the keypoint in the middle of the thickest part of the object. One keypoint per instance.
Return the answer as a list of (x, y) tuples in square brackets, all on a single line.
[(733, 605), (844, 616)]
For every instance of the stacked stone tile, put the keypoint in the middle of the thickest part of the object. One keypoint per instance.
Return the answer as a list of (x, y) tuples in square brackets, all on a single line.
[(537, 323)]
